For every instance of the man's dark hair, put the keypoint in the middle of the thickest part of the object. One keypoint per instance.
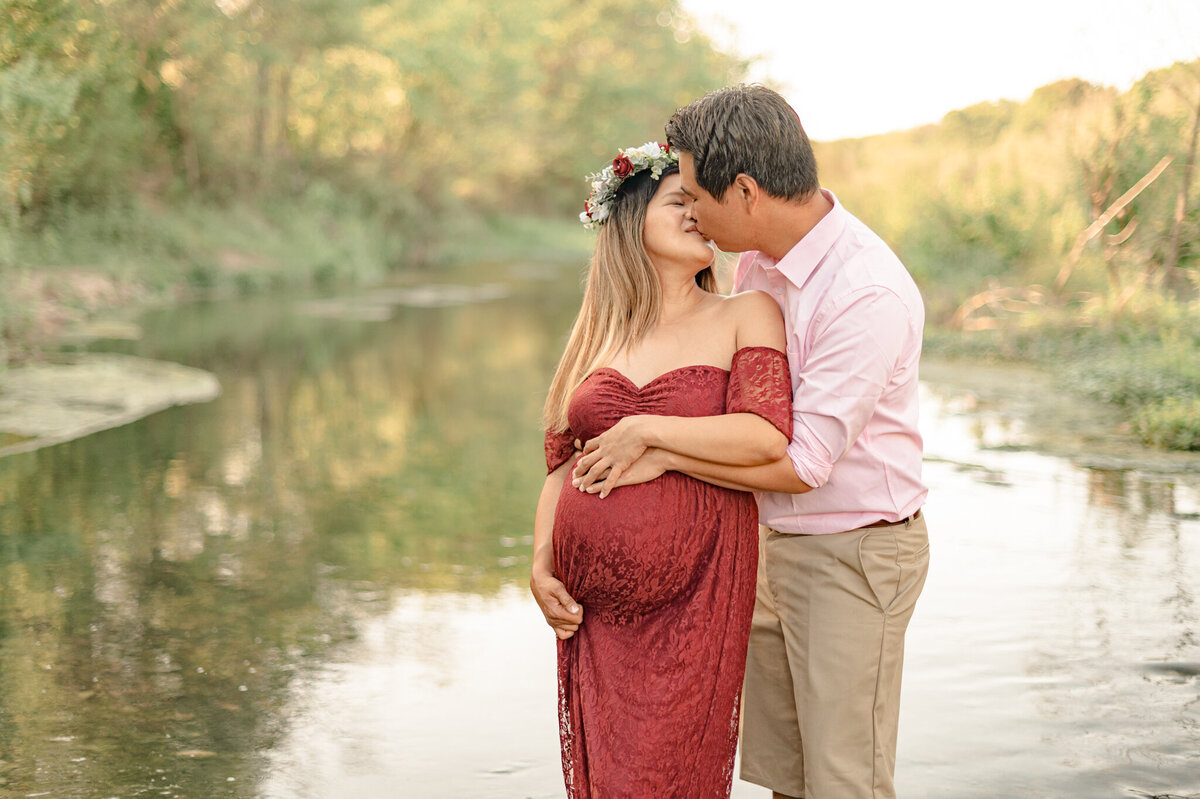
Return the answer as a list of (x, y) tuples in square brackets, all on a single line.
[(750, 129)]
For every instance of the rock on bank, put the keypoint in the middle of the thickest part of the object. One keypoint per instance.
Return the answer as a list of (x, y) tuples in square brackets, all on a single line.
[(49, 403)]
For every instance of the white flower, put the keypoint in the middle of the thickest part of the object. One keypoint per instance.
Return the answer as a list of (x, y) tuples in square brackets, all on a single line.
[(651, 150), (605, 183)]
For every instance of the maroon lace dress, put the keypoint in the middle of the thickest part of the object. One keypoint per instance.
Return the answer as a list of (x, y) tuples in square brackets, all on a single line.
[(665, 572)]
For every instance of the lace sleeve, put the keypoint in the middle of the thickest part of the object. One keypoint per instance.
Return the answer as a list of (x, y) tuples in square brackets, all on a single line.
[(559, 448), (759, 383)]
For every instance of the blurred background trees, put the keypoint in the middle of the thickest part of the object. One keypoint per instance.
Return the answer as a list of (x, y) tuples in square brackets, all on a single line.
[(385, 120), (165, 147), (412, 106), (992, 201), (1064, 230)]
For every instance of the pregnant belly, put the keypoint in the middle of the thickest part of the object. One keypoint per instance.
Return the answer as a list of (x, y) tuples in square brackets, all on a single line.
[(639, 548)]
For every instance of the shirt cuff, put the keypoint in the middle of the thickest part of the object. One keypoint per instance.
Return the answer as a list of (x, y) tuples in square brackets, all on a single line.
[(811, 471)]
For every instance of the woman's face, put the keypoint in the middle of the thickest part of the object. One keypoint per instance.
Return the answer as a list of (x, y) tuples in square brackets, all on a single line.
[(669, 234)]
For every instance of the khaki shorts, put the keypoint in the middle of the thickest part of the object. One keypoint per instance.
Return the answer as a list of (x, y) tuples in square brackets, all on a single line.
[(822, 695)]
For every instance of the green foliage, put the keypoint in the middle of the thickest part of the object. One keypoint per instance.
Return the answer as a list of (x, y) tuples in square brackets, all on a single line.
[(35, 103), (279, 242), (982, 122), (175, 147), (519, 238), (1145, 365), (1047, 103), (1138, 375), (998, 193), (506, 103), (1173, 423)]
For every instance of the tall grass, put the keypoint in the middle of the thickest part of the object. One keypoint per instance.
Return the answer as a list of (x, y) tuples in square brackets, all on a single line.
[(278, 241)]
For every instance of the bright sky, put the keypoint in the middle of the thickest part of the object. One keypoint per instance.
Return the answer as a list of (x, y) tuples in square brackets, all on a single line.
[(857, 67)]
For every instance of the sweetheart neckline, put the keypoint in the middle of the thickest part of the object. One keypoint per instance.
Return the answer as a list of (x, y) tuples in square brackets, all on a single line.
[(655, 379)]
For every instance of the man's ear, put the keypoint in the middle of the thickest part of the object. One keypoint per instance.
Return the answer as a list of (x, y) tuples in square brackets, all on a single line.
[(746, 191)]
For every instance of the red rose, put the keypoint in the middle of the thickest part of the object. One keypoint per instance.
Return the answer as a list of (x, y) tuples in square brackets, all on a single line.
[(622, 166)]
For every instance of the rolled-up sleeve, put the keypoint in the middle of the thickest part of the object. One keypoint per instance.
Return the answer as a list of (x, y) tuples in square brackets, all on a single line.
[(853, 347)]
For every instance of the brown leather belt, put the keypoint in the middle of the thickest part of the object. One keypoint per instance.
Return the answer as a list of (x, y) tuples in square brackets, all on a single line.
[(884, 523)]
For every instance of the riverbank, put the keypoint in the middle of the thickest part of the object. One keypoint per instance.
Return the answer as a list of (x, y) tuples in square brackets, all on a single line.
[(1025, 407), (51, 402), (52, 390), (1143, 368), (1145, 365), (95, 265)]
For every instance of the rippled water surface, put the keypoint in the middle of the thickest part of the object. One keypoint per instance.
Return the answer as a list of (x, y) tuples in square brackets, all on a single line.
[(314, 586)]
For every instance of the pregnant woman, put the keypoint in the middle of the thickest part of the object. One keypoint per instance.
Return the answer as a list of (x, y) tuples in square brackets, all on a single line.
[(650, 589)]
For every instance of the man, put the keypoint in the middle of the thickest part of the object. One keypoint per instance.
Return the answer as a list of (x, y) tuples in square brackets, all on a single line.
[(844, 549)]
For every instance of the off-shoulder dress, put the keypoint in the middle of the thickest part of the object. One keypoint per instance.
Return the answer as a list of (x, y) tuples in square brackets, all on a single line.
[(665, 571)]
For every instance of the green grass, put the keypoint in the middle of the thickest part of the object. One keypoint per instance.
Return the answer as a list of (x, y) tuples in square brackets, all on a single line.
[(1148, 365), (517, 237), (275, 242), (1172, 423), (321, 238)]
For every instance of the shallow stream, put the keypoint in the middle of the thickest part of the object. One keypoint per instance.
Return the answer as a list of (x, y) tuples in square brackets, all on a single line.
[(314, 586)]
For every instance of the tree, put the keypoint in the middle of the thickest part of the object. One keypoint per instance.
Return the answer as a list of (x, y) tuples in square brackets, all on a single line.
[(36, 102), (1188, 89)]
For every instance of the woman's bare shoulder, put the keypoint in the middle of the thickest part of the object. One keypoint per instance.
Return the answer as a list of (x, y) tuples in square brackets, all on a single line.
[(752, 303), (758, 318)]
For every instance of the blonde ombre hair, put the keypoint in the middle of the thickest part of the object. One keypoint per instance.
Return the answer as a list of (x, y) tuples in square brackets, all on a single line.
[(621, 300)]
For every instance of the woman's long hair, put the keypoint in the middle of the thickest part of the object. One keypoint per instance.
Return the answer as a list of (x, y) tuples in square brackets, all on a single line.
[(622, 298)]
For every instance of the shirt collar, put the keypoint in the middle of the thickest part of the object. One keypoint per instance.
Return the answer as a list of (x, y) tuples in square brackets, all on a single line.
[(800, 261)]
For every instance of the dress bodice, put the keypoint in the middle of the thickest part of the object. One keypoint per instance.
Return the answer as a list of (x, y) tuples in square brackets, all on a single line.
[(607, 396), (756, 382)]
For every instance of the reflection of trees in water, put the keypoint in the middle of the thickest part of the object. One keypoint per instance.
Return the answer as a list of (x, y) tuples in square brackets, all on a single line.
[(1153, 532), (1125, 612), (1106, 487), (138, 653), (162, 583)]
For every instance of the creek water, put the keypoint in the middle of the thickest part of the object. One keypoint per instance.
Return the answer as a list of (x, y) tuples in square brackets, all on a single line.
[(315, 585)]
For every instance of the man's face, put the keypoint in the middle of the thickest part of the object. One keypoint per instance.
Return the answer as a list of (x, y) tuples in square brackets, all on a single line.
[(715, 219)]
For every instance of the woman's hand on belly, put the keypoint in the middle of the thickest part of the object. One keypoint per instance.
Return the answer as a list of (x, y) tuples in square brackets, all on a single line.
[(650, 466), (611, 452)]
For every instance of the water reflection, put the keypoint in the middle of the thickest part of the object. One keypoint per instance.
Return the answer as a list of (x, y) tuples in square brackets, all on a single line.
[(314, 586), (439, 697), (163, 585), (1040, 661)]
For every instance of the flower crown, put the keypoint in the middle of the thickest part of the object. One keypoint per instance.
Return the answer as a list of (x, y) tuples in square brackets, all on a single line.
[(651, 155)]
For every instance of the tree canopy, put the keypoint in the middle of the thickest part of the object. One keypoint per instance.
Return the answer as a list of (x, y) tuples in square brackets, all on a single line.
[(498, 103)]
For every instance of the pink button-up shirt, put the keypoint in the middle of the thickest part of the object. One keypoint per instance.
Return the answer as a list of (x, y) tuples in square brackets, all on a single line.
[(854, 319)]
